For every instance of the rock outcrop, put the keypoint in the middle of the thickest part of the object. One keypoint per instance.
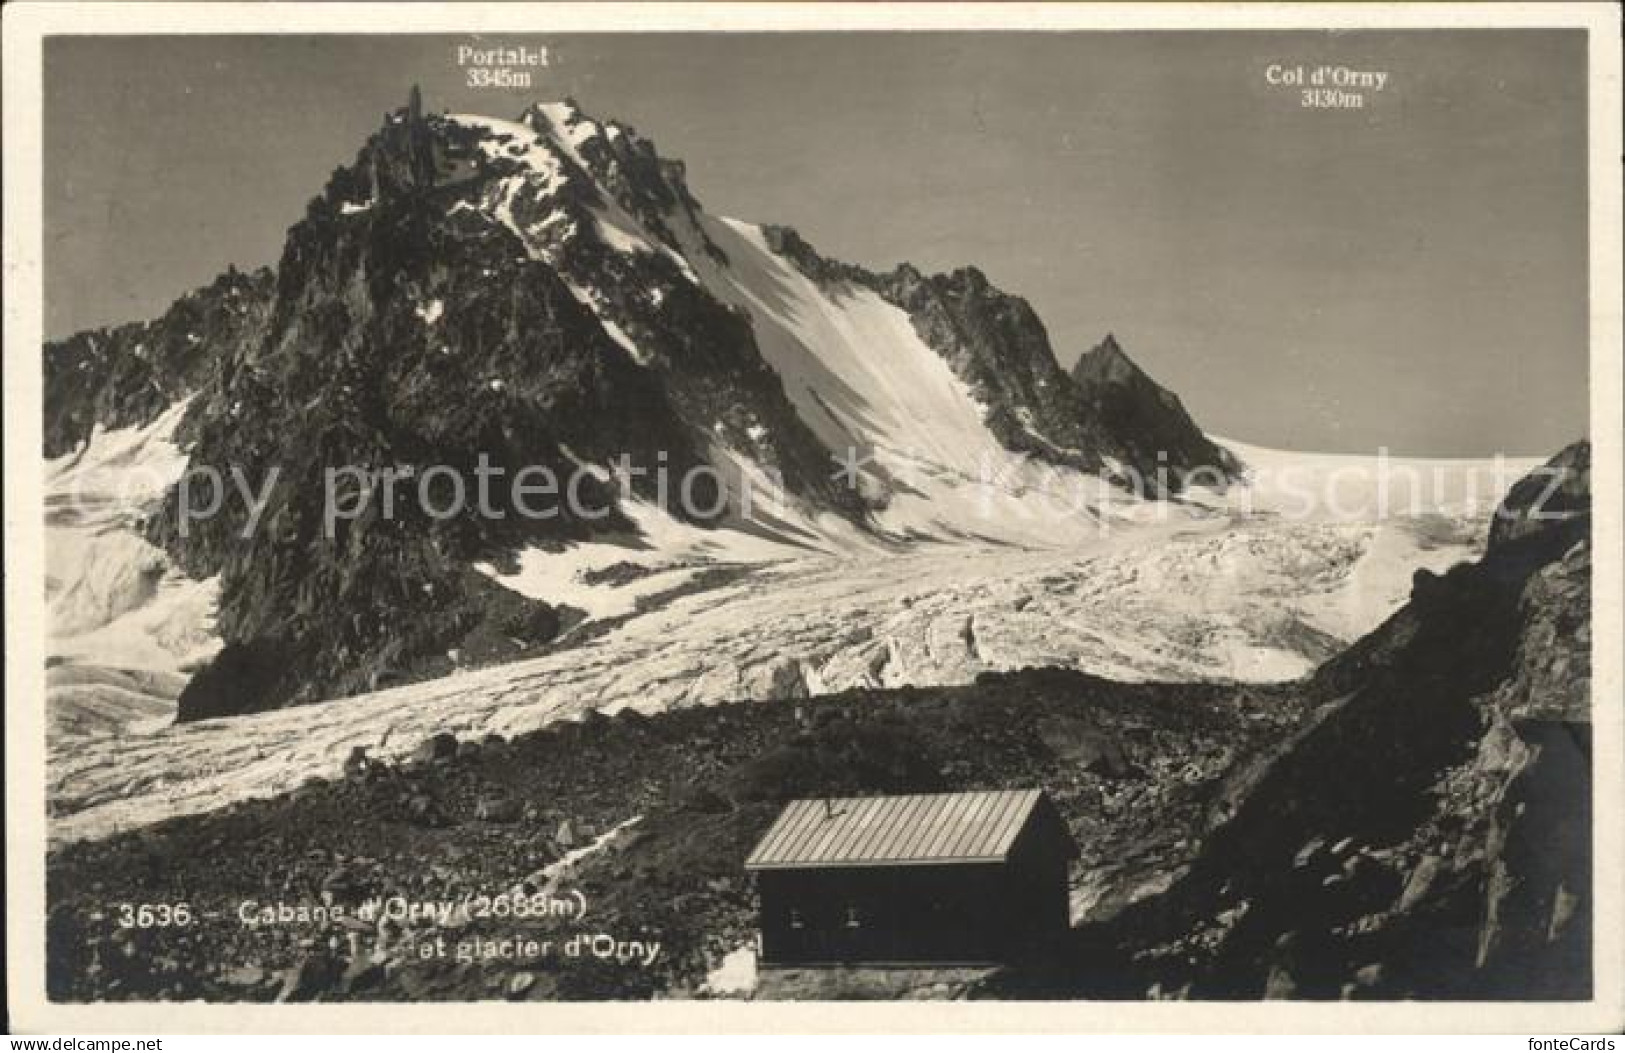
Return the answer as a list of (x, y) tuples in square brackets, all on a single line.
[(1156, 436)]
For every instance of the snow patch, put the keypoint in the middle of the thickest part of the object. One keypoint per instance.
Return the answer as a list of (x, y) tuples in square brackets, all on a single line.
[(735, 974), (559, 871), (668, 551), (532, 153), (594, 303)]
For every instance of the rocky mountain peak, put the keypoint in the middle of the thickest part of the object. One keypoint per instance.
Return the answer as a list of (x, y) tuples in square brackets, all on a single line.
[(1152, 419), (546, 291), (1106, 363)]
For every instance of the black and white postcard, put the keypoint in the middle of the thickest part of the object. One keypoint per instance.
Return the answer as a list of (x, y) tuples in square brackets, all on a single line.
[(1025, 508)]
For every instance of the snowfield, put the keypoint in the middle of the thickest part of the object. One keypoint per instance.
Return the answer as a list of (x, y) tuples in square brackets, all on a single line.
[(1194, 598)]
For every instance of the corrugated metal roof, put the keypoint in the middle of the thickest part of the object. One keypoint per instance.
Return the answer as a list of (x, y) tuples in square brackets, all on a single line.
[(873, 831)]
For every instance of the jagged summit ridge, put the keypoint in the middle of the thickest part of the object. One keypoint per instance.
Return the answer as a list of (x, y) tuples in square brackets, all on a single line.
[(1152, 419), (1106, 362)]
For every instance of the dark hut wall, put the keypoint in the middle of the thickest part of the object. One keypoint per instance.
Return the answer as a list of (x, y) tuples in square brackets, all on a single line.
[(920, 912)]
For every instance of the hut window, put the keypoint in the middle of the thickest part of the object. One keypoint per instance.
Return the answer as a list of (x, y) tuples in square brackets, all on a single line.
[(853, 921)]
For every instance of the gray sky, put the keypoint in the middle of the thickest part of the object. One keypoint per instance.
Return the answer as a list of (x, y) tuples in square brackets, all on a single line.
[(1411, 274)]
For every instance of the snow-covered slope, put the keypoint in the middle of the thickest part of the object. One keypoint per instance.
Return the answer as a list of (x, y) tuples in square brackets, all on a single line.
[(1215, 598), (893, 419), (852, 364), (125, 627), (1376, 486), (1244, 596), (1376, 519), (861, 376)]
